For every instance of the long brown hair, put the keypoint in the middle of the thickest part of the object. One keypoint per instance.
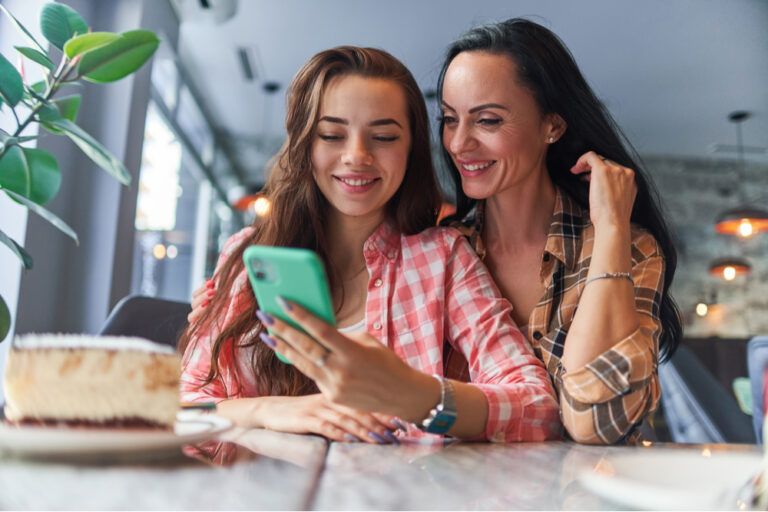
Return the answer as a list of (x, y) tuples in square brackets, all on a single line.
[(298, 209)]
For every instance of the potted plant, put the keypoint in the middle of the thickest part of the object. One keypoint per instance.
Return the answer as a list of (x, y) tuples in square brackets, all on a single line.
[(31, 176)]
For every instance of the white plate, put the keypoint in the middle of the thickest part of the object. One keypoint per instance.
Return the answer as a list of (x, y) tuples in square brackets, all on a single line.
[(62, 442), (674, 479)]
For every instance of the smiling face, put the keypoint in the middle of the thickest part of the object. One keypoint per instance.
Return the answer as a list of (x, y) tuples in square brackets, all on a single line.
[(361, 144), (493, 129)]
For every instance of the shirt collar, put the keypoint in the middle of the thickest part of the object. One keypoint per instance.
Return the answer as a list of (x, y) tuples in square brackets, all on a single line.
[(385, 239)]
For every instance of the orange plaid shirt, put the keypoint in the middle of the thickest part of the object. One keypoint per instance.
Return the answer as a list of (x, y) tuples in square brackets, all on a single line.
[(604, 401), (423, 289)]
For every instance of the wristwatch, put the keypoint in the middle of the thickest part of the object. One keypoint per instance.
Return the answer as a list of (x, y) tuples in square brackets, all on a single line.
[(443, 416)]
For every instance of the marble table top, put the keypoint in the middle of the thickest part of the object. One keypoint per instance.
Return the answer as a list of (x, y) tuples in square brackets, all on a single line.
[(259, 469)]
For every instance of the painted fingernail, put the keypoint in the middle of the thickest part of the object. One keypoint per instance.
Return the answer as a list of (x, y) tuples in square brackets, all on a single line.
[(350, 438), (391, 437), (265, 318), (205, 303), (211, 292), (268, 340), (399, 425), (283, 303), (376, 437), (209, 283)]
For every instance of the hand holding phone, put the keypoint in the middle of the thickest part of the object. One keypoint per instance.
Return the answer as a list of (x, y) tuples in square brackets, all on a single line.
[(294, 274)]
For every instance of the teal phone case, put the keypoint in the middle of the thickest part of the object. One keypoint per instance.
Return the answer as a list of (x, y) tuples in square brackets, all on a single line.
[(294, 274)]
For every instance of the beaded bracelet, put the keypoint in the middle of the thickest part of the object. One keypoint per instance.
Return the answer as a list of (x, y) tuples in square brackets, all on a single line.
[(611, 275)]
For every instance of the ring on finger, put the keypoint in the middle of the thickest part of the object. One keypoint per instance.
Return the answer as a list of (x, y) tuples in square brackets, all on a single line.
[(321, 360)]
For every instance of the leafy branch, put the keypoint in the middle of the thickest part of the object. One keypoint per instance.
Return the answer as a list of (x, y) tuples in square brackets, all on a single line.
[(30, 176)]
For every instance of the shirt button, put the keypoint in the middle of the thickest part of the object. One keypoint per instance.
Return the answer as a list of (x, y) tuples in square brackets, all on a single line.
[(377, 325), (537, 335), (377, 283)]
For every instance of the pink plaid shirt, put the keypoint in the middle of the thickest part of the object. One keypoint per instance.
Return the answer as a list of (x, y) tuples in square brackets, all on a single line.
[(423, 289)]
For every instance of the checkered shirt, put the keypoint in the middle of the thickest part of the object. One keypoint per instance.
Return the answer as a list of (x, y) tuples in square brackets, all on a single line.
[(423, 289)]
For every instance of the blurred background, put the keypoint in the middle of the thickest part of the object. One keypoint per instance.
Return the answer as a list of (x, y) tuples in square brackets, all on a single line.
[(687, 80)]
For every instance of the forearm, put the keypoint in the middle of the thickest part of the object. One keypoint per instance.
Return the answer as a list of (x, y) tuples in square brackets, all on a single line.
[(247, 412), (606, 311)]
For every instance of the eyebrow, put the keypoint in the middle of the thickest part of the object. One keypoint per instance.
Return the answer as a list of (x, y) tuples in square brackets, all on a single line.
[(480, 107), (377, 122)]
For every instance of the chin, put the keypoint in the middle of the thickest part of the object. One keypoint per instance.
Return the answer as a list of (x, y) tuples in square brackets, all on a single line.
[(477, 191)]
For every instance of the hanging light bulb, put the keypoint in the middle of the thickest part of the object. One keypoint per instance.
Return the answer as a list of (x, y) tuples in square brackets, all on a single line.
[(730, 268), (742, 221), (702, 309)]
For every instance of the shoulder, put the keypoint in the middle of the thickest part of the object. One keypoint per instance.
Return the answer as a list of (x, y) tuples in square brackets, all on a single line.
[(444, 238), (644, 244)]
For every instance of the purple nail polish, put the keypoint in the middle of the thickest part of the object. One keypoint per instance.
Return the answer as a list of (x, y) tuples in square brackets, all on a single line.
[(391, 437), (399, 425), (350, 438), (267, 339), (283, 303), (265, 318), (376, 437)]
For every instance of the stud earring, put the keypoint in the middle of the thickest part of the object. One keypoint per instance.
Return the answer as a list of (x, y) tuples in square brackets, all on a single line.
[(551, 140)]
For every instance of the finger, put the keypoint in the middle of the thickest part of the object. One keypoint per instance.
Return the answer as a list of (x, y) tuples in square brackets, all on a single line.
[(299, 360), (328, 429), (354, 426), (373, 422), (298, 340), (390, 421), (324, 333), (587, 162)]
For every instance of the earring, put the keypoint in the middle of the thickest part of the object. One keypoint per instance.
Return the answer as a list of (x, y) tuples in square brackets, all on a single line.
[(551, 140)]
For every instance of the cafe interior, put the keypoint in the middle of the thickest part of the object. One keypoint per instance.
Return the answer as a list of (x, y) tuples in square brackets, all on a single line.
[(189, 135)]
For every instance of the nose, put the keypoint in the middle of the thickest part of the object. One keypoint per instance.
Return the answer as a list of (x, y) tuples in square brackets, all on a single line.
[(356, 152), (458, 139)]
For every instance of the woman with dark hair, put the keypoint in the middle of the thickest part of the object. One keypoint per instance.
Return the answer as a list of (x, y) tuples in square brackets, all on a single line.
[(565, 219), (354, 182)]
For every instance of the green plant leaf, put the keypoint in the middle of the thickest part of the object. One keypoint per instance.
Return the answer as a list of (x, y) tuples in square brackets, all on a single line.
[(33, 173), (59, 23), (92, 148), (11, 85), (22, 28), (5, 319), (63, 108), (119, 58), (18, 250), (87, 42), (36, 56), (45, 214), (69, 106)]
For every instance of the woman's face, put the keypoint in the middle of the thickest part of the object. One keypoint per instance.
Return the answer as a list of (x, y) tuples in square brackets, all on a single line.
[(493, 129), (361, 144)]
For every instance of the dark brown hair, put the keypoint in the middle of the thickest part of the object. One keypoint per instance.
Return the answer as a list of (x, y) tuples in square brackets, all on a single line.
[(298, 210)]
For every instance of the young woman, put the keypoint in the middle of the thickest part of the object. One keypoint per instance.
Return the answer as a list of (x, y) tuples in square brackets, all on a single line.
[(354, 182), (565, 219)]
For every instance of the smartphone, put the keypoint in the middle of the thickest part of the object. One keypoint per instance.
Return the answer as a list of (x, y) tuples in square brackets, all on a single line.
[(297, 275)]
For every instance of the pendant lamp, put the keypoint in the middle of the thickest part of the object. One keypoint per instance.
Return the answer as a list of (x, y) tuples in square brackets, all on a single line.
[(729, 268), (743, 221)]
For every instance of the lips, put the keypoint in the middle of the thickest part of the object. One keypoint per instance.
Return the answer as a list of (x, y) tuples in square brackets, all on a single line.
[(356, 184), (473, 168)]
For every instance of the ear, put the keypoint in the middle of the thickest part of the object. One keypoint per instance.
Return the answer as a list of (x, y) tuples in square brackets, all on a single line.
[(555, 126)]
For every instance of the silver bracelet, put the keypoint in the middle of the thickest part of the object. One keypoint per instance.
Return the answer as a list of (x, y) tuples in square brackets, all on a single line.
[(611, 275)]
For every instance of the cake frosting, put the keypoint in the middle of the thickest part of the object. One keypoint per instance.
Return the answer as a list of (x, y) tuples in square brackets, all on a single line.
[(91, 380)]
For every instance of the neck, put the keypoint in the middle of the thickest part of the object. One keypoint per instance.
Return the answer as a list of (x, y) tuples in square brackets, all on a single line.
[(520, 216), (346, 236)]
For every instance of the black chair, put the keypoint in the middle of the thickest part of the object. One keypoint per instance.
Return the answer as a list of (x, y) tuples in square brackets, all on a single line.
[(697, 408), (158, 320)]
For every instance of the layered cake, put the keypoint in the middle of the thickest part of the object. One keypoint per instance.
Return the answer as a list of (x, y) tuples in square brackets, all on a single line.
[(91, 381)]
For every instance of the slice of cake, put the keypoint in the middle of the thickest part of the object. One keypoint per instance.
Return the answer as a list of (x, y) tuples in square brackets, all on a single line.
[(91, 381)]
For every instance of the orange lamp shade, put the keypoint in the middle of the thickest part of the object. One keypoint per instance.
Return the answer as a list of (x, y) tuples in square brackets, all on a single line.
[(742, 222), (729, 268)]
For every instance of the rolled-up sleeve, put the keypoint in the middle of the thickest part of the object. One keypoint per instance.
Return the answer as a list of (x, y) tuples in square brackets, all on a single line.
[(522, 405), (604, 400)]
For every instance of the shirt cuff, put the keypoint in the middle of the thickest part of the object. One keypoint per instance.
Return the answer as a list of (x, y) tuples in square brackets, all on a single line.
[(611, 374), (520, 416)]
